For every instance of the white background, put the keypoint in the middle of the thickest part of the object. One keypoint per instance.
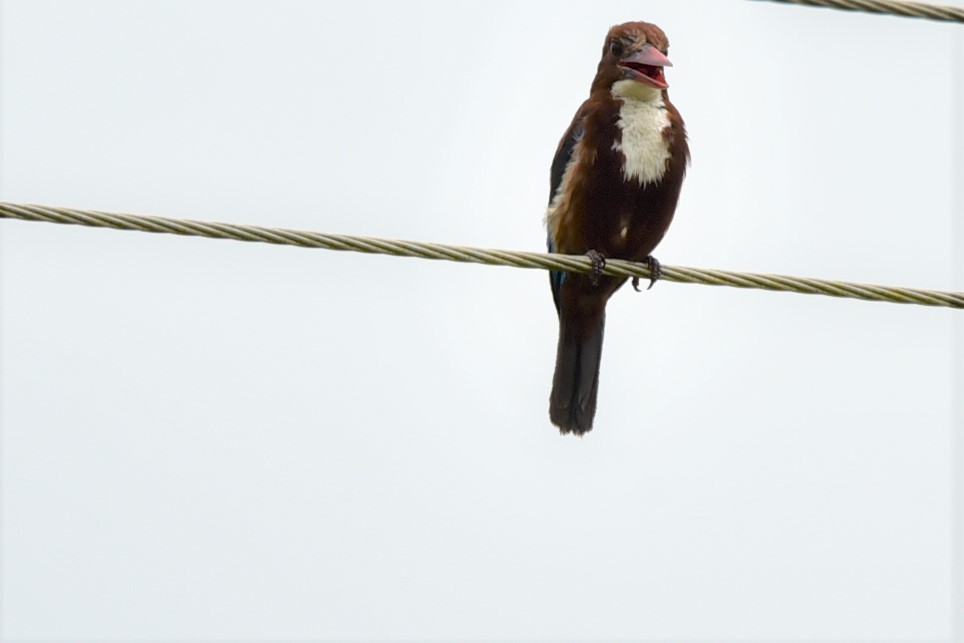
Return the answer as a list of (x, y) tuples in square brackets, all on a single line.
[(210, 439)]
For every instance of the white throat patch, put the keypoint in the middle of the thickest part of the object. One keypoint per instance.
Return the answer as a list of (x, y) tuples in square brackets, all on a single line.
[(645, 151)]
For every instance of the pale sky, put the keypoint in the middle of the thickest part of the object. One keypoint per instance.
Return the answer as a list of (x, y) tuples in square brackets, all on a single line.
[(206, 439)]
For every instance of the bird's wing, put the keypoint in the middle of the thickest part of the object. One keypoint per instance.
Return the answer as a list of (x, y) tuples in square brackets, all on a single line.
[(564, 154)]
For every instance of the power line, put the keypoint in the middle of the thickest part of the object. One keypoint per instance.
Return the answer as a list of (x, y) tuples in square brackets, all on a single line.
[(943, 13), (536, 260)]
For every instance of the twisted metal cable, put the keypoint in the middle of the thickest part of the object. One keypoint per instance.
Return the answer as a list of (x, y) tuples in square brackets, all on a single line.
[(943, 13), (537, 260)]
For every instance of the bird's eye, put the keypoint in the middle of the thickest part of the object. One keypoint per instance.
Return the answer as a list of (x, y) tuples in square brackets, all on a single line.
[(616, 48)]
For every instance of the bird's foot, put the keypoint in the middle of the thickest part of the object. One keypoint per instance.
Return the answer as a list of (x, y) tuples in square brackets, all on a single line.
[(655, 272), (598, 263)]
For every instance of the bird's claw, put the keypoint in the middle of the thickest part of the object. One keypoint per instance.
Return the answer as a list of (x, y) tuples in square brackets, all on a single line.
[(655, 272), (598, 263)]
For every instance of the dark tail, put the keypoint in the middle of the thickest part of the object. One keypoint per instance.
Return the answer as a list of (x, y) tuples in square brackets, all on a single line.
[(572, 403)]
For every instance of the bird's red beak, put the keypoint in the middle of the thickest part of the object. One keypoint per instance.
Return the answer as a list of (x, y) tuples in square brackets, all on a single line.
[(646, 66)]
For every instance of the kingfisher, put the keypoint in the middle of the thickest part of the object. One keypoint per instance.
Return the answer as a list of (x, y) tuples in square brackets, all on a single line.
[(614, 184)]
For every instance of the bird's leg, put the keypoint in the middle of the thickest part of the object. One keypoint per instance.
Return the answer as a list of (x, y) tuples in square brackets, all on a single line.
[(655, 272), (598, 263)]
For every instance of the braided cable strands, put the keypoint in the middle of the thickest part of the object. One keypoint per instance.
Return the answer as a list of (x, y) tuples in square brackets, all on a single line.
[(943, 13), (515, 259)]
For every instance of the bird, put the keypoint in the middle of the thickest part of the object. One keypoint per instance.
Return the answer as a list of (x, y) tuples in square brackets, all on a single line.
[(614, 185)]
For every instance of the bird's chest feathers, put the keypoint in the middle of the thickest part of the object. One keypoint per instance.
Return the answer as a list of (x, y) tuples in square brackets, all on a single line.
[(640, 140)]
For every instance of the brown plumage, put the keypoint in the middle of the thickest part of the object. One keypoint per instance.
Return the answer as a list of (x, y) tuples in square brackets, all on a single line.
[(615, 182)]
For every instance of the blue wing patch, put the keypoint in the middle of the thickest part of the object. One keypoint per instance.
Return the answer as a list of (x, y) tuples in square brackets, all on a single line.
[(556, 277)]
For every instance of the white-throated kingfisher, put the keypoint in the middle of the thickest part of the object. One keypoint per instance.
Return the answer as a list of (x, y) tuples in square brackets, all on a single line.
[(615, 181)]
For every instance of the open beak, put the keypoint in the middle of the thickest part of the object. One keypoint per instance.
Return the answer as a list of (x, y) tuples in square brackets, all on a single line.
[(646, 66)]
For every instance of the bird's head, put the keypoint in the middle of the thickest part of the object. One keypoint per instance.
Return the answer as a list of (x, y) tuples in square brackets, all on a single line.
[(632, 63)]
